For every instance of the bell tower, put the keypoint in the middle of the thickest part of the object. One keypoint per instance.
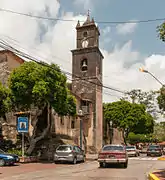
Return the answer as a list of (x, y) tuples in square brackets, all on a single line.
[(87, 79)]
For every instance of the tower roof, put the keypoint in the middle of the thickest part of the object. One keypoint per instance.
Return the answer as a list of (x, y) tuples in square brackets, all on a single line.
[(88, 21)]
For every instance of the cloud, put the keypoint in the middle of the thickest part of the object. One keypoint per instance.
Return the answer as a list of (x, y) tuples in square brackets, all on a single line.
[(86, 4), (127, 78), (126, 28), (52, 41), (106, 31)]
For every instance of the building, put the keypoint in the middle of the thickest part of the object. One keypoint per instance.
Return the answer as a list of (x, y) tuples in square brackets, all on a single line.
[(8, 62), (87, 81), (86, 87)]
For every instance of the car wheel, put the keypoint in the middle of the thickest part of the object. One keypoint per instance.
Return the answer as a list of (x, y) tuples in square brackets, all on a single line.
[(75, 161), (101, 165), (126, 165), (2, 162), (83, 160)]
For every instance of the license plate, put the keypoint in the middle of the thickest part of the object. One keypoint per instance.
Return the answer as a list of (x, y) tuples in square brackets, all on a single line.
[(111, 156)]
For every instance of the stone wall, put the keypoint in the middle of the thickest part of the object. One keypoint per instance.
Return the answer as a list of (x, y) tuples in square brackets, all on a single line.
[(9, 132)]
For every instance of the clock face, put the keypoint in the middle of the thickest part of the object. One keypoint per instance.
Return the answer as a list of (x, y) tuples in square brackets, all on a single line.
[(85, 44)]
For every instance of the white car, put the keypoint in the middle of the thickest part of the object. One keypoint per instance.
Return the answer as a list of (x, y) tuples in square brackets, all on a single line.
[(132, 151)]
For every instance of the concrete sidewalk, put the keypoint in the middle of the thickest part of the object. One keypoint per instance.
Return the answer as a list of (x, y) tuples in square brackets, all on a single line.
[(91, 157)]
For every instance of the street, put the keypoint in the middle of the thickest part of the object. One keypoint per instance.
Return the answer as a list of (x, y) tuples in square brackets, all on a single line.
[(138, 169)]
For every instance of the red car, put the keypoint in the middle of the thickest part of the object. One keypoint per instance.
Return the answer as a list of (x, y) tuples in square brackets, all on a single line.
[(113, 154)]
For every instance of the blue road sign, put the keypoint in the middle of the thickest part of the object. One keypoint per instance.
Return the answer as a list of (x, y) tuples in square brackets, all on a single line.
[(22, 124)]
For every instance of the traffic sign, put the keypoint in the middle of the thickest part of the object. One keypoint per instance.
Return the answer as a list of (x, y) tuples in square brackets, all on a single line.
[(22, 124)]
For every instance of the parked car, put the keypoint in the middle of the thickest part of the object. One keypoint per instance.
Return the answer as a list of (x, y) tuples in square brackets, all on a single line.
[(69, 153), (113, 154), (163, 151), (8, 159), (154, 150), (132, 151)]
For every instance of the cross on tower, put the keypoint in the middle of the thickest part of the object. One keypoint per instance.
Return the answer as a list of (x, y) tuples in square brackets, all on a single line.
[(88, 13)]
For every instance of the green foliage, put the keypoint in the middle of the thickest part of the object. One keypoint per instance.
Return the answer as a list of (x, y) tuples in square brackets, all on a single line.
[(4, 100), (139, 138), (159, 131), (161, 99), (161, 32), (16, 151), (129, 117), (37, 84), (146, 98)]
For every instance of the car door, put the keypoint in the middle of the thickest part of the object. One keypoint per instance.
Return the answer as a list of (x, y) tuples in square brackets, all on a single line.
[(76, 153), (81, 154)]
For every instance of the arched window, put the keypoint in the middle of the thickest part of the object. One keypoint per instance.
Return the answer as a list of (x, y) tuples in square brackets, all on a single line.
[(84, 65), (85, 34), (72, 124)]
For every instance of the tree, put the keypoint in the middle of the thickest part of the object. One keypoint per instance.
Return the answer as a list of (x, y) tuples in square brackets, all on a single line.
[(129, 117), (161, 31), (159, 131), (139, 138), (161, 99), (43, 87), (146, 98), (4, 100)]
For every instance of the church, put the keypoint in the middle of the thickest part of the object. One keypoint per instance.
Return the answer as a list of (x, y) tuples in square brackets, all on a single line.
[(86, 129)]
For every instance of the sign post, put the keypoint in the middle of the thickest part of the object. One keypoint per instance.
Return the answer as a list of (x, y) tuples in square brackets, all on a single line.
[(23, 145), (23, 127)]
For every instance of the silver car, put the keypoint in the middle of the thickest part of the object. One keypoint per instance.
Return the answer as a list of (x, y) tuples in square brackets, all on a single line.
[(132, 151), (69, 153)]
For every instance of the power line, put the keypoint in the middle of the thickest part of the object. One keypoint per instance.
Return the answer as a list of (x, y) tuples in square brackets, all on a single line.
[(68, 76), (17, 44), (71, 20), (25, 55)]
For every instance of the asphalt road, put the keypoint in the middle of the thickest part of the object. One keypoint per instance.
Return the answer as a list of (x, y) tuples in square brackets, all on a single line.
[(137, 170)]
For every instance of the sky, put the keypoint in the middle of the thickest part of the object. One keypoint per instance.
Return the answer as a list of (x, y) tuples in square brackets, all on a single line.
[(125, 47)]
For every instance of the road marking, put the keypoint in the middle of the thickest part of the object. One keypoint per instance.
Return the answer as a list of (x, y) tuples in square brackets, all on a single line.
[(144, 158)]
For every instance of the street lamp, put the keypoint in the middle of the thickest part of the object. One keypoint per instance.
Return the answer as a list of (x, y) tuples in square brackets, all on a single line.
[(111, 130), (145, 71), (80, 113)]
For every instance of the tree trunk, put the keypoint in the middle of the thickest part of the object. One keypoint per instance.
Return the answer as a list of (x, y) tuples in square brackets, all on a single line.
[(123, 134), (35, 139), (31, 147)]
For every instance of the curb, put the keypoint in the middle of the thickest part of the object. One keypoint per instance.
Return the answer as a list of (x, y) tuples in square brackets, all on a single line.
[(161, 158), (152, 176), (91, 159)]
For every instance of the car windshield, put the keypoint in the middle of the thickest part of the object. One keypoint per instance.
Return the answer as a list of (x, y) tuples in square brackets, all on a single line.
[(113, 148), (1, 151), (130, 147), (64, 148), (154, 147)]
